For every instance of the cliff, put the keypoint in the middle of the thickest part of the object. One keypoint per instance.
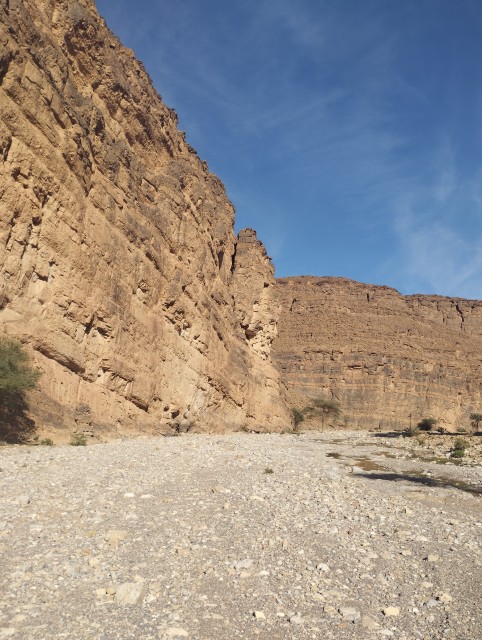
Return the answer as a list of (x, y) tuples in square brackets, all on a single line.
[(121, 273), (389, 360), (119, 266)]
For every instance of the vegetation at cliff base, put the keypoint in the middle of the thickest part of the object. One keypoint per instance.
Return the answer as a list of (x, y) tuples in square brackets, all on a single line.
[(298, 417), (427, 424), (324, 409), (17, 376), (78, 440), (16, 373), (476, 419)]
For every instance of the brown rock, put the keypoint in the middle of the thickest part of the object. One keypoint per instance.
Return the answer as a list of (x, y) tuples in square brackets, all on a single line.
[(389, 360), (117, 249)]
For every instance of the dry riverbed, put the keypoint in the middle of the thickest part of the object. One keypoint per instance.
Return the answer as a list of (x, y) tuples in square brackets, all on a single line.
[(333, 535)]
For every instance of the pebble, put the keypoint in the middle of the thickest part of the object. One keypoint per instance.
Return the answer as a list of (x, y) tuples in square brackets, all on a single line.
[(177, 632), (129, 593), (391, 611), (444, 598), (114, 537), (369, 623), (136, 539), (349, 613), (218, 489)]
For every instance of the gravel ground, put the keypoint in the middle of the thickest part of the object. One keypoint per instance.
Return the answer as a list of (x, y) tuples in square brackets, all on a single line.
[(239, 536)]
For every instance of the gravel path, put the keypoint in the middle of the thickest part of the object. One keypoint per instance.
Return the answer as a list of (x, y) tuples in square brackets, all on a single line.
[(237, 536)]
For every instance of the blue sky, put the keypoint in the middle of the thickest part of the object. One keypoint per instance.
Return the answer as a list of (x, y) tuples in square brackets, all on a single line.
[(347, 132)]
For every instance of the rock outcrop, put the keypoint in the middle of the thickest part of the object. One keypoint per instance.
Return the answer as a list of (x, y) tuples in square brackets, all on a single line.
[(120, 270), (119, 266), (389, 360)]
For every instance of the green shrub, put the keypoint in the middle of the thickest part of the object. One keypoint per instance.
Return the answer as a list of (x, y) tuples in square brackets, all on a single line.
[(460, 443), (268, 470), (78, 440), (427, 424), (16, 373), (17, 376), (457, 453), (458, 450), (47, 442), (298, 417)]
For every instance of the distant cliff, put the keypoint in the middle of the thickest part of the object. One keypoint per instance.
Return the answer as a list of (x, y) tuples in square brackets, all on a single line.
[(120, 269), (388, 359)]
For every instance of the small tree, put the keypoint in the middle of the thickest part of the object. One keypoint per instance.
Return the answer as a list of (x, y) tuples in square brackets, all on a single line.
[(476, 419), (427, 424), (324, 408), (458, 450), (16, 373), (16, 377), (298, 417)]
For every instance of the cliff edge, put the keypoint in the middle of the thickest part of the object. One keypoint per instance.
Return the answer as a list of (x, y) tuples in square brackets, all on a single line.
[(119, 266)]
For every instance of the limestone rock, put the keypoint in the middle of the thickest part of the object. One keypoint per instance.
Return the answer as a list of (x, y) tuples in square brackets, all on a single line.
[(130, 593), (389, 360), (118, 258)]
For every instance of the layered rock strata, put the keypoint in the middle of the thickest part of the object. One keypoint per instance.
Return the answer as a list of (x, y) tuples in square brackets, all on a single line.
[(389, 360), (120, 269)]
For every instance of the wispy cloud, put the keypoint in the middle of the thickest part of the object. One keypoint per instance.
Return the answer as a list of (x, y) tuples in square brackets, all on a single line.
[(439, 230), (437, 258), (349, 120)]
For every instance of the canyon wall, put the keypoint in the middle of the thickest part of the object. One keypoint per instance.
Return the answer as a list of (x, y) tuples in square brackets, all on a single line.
[(121, 274), (120, 270), (389, 360)]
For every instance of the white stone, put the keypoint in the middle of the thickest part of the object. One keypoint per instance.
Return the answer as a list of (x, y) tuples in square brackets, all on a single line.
[(391, 611), (177, 632), (115, 536), (444, 598), (349, 613), (369, 623), (130, 593)]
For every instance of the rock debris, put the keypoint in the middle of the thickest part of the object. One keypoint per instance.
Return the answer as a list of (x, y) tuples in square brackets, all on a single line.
[(187, 537)]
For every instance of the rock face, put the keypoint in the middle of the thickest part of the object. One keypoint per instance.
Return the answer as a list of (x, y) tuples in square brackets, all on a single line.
[(121, 272), (389, 360), (119, 266)]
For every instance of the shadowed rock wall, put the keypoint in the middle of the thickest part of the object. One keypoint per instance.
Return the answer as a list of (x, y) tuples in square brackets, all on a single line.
[(389, 359), (117, 250)]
